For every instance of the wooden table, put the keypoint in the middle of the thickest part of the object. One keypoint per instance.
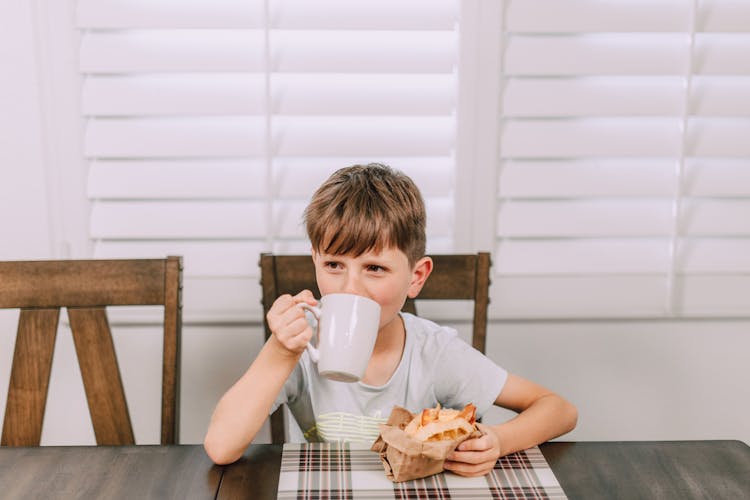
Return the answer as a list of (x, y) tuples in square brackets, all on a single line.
[(652, 470), (677, 470)]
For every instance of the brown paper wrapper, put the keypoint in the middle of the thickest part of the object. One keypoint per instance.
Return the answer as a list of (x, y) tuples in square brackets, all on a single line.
[(404, 457)]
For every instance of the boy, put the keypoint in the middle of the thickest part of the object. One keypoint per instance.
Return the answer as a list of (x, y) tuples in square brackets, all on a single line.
[(367, 229)]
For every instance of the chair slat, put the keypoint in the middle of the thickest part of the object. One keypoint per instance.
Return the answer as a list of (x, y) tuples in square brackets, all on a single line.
[(453, 278), (481, 301), (81, 283), (101, 376), (170, 396), (295, 277), (29, 377)]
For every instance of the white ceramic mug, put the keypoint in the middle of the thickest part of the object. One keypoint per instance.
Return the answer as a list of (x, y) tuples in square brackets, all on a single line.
[(347, 329)]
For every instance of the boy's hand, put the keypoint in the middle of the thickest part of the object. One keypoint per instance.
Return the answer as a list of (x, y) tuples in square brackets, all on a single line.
[(288, 323), (475, 457)]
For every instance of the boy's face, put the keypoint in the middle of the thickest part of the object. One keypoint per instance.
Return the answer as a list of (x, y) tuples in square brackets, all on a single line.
[(385, 277)]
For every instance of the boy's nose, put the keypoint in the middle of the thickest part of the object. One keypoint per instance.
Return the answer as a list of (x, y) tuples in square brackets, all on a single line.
[(353, 285)]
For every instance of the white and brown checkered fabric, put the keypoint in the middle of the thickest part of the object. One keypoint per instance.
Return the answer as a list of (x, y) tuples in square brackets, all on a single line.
[(341, 471)]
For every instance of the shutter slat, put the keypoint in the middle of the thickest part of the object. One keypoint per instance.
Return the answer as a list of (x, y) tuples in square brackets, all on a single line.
[(720, 96), (621, 256), (583, 256), (365, 15), (583, 218), (605, 137), (718, 177), (201, 258), (578, 296), (717, 217), (719, 137), (173, 137), (287, 14), (297, 51), (223, 299), (372, 136), (177, 220), (716, 295), (581, 16), (605, 177), (171, 50), (592, 96), (363, 94), (724, 16), (243, 94), (597, 54), (229, 136), (119, 14), (722, 54), (699, 255), (174, 94), (576, 16), (297, 178), (188, 179)]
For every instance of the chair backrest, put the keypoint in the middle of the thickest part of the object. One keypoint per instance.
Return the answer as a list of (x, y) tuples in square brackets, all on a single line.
[(85, 288), (454, 277)]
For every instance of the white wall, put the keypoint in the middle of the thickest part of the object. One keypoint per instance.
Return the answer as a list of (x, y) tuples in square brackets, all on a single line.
[(635, 380), (630, 380)]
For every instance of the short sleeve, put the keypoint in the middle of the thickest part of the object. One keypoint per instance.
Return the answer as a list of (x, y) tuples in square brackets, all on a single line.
[(464, 375), (292, 389)]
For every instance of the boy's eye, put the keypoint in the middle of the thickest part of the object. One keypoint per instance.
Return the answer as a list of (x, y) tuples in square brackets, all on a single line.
[(332, 265), (373, 268)]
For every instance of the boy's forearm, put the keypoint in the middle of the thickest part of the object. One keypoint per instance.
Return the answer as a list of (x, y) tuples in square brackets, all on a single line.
[(547, 418), (242, 410)]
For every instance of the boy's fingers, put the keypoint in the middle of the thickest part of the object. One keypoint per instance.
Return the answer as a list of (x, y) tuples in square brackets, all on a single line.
[(475, 444), (305, 296), (281, 304), (471, 457), (466, 469)]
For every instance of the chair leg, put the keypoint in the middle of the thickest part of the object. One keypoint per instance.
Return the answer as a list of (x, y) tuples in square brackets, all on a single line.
[(101, 376), (29, 377)]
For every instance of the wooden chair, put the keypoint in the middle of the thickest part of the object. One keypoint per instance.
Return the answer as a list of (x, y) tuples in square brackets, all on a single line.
[(454, 277), (85, 287)]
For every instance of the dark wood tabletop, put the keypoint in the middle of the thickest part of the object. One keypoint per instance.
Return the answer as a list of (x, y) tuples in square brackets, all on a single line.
[(111, 472), (585, 470), (651, 470)]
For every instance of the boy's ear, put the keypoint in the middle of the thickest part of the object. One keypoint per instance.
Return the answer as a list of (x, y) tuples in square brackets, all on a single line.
[(419, 275)]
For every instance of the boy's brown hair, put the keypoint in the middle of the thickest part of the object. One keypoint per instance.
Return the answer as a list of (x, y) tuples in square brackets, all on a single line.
[(367, 208)]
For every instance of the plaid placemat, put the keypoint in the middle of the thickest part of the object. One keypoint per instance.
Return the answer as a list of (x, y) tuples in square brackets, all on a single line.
[(347, 471)]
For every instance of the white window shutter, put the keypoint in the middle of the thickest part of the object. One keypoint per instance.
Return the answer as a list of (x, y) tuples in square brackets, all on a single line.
[(623, 181), (210, 123)]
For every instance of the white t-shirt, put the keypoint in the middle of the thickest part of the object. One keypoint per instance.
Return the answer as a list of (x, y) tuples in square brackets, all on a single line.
[(437, 367)]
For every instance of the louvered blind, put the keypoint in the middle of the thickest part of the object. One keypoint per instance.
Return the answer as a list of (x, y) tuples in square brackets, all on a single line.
[(624, 169), (210, 123)]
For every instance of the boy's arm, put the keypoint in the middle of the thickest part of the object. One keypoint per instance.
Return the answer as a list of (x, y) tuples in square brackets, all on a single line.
[(244, 407), (542, 415)]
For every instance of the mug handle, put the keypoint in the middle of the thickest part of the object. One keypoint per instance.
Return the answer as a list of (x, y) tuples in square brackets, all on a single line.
[(314, 353)]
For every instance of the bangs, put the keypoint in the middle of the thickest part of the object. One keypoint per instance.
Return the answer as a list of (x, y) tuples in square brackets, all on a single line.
[(355, 235)]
